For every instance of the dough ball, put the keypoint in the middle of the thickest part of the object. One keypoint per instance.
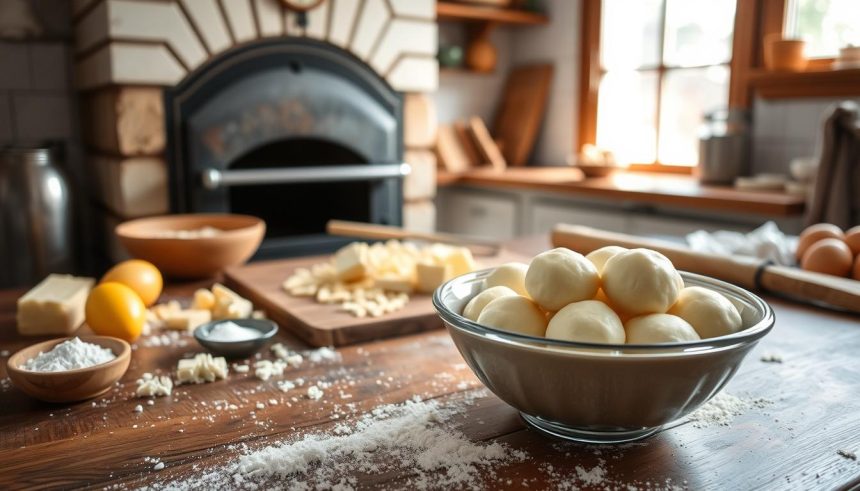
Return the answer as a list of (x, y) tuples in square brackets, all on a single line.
[(560, 276), (710, 313), (659, 328), (641, 281), (600, 296), (588, 321), (516, 314), (598, 257), (511, 275), (478, 302)]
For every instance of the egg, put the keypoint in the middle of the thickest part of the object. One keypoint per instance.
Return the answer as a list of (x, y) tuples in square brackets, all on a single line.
[(828, 256), (852, 238), (855, 273), (141, 276), (816, 232)]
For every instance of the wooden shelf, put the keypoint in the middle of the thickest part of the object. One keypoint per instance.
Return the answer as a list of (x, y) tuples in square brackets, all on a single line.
[(811, 83), (462, 70), (464, 12)]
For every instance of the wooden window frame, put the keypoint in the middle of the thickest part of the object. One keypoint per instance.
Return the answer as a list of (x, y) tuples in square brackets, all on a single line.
[(754, 20)]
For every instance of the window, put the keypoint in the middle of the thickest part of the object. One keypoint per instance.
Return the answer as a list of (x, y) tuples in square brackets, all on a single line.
[(663, 64), (826, 25)]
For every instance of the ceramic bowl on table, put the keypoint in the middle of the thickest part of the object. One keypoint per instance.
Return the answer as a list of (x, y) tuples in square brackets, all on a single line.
[(600, 393), (171, 243), (237, 349), (69, 385)]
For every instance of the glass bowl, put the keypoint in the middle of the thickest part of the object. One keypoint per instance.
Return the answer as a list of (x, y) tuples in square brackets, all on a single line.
[(600, 393)]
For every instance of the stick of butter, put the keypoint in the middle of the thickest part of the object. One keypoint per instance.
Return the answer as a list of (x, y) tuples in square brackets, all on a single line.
[(54, 306)]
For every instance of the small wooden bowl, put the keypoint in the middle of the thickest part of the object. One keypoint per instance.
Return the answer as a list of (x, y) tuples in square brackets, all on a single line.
[(70, 385), (596, 170), (201, 257)]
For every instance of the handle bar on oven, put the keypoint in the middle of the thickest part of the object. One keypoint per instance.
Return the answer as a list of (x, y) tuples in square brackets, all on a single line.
[(214, 178)]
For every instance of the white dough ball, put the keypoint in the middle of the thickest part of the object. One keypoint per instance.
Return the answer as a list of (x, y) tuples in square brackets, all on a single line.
[(589, 321), (710, 313), (516, 314), (478, 302), (560, 276), (659, 328), (598, 257), (511, 275), (641, 281)]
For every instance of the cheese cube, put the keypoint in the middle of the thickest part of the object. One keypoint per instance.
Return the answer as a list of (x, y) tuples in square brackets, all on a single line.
[(350, 262), (430, 275), (187, 320), (203, 299), (394, 284), (202, 368), (229, 304), (461, 261), (54, 306)]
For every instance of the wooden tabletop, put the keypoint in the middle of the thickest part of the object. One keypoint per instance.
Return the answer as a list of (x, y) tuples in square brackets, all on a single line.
[(808, 411), (648, 188)]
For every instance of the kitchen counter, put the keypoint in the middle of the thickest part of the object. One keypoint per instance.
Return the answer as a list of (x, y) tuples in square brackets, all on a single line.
[(806, 411), (648, 188)]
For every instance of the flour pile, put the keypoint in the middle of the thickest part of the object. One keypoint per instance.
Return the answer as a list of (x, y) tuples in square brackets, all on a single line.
[(411, 437), (69, 355)]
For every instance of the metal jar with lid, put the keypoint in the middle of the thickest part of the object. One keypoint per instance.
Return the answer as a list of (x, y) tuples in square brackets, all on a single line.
[(36, 233), (724, 147)]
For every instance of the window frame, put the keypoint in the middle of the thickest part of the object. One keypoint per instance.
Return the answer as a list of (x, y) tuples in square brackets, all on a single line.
[(754, 20)]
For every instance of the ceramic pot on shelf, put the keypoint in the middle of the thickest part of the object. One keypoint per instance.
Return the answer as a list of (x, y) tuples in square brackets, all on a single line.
[(786, 55), (481, 55)]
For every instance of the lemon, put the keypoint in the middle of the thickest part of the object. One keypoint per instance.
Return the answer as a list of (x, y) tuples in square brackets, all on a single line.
[(114, 309), (141, 276)]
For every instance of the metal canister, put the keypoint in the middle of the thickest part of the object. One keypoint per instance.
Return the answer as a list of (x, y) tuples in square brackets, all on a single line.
[(723, 147), (36, 221)]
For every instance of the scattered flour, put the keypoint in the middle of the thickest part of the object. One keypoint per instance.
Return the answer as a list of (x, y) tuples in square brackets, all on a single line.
[(69, 355), (412, 436), (314, 393), (322, 354), (723, 408)]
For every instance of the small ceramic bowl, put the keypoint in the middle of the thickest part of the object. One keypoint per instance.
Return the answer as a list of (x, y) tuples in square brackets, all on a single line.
[(236, 349), (69, 385), (601, 393), (237, 239)]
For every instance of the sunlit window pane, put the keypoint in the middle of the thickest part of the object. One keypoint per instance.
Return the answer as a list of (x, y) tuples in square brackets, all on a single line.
[(630, 33), (826, 25), (687, 94), (698, 32), (626, 115)]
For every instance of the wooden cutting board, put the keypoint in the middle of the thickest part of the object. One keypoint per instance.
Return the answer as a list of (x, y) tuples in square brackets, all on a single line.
[(323, 325), (521, 110)]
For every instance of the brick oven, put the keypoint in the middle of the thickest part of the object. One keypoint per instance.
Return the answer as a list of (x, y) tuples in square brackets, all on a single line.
[(247, 106)]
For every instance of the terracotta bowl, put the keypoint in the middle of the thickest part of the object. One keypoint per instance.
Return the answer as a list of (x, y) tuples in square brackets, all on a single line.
[(201, 257), (70, 385), (601, 393)]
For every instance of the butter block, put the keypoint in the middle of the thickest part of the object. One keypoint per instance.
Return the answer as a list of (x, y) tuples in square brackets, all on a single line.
[(186, 320), (229, 304), (461, 261), (350, 262), (54, 306), (430, 275)]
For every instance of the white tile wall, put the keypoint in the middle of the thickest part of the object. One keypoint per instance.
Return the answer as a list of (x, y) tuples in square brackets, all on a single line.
[(786, 129)]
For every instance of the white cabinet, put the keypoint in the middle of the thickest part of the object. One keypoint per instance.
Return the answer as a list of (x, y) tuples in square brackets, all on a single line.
[(544, 216), (477, 213)]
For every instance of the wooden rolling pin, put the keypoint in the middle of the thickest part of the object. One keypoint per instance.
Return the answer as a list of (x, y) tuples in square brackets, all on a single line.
[(481, 247), (741, 270)]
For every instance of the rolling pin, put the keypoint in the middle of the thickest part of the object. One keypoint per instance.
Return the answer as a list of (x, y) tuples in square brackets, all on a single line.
[(748, 272), (478, 246)]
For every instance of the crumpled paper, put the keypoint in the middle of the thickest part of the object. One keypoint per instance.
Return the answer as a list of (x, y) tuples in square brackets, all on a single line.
[(766, 242)]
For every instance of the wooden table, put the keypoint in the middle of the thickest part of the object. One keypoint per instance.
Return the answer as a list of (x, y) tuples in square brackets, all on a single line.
[(790, 443)]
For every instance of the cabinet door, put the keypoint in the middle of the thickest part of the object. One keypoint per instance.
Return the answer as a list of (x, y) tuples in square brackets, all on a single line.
[(477, 214), (544, 216)]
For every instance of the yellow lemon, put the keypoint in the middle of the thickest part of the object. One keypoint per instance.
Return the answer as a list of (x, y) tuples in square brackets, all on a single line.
[(114, 309), (141, 276)]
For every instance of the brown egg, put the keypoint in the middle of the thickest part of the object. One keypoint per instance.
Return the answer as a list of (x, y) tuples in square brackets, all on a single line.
[(816, 232), (856, 272), (828, 256), (852, 238)]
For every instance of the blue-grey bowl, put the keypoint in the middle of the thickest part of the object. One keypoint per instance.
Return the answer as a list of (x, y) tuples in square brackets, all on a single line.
[(236, 349)]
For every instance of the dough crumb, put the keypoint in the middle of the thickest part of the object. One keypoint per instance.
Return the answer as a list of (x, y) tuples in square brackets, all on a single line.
[(847, 454), (771, 358)]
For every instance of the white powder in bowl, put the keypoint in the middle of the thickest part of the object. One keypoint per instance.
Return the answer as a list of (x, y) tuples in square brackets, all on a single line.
[(69, 355), (231, 332)]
